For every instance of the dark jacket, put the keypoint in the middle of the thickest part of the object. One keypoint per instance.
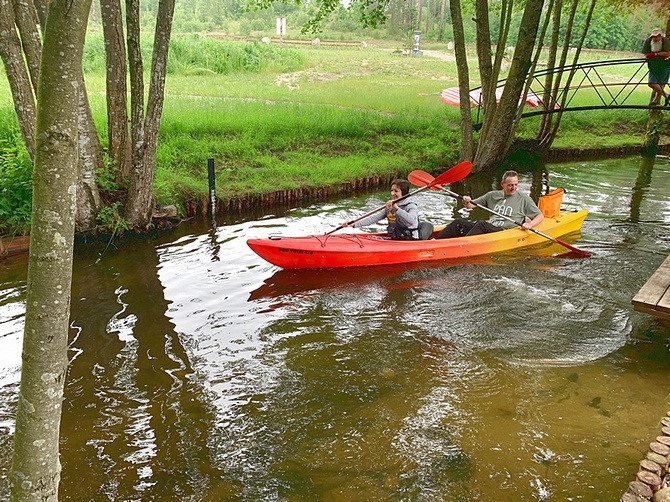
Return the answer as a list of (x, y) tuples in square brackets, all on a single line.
[(657, 65)]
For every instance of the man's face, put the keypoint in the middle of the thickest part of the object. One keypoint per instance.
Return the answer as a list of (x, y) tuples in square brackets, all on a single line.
[(509, 185)]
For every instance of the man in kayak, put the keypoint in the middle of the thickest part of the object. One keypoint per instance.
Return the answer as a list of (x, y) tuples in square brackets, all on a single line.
[(403, 217), (508, 202)]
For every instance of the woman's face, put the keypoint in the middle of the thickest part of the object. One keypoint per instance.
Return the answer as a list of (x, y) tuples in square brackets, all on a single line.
[(395, 192)]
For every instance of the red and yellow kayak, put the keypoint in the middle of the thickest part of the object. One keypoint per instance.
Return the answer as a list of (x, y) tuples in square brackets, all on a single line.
[(363, 250)]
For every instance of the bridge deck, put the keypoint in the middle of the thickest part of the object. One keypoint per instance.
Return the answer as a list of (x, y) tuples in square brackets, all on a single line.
[(654, 297)]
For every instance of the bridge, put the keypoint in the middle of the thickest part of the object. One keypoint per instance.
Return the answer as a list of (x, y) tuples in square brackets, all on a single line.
[(591, 83)]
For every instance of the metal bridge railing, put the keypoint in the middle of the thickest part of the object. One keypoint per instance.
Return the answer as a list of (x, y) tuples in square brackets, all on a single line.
[(587, 76)]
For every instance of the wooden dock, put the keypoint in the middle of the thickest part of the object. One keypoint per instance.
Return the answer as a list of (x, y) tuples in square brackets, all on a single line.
[(654, 297)]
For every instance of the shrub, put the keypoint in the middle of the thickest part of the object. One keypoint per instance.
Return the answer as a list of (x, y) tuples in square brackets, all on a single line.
[(16, 189)]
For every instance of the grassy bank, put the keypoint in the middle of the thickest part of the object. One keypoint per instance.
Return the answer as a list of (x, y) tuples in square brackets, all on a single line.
[(309, 117)]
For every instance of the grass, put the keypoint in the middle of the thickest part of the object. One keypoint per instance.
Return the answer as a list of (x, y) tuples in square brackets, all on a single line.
[(260, 147), (314, 117)]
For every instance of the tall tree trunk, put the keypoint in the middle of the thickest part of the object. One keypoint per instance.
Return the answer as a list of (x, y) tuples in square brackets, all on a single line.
[(495, 147), (483, 43), (443, 13), (506, 12), (35, 470), (17, 74), (544, 135), (117, 102), (41, 9), (140, 201), (467, 146), (531, 73), (548, 140), (136, 67), (90, 160), (545, 120), (26, 22), (490, 82)]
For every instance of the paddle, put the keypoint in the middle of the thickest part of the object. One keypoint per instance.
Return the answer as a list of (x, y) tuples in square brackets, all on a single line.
[(452, 175), (421, 178)]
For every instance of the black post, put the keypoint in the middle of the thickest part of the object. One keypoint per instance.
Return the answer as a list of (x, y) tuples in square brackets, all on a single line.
[(212, 184)]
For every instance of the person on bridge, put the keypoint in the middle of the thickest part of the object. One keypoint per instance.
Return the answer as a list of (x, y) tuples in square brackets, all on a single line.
[(508, 202), (657, 51)]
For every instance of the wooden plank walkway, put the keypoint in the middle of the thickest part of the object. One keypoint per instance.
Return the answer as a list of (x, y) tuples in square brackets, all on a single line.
[(654, 297)]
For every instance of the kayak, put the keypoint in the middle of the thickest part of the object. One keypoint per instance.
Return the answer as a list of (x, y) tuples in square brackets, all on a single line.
[(368, 249)]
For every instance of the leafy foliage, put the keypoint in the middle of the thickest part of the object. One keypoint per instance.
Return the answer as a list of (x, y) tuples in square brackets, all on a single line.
[(110, 219), (16, 191)]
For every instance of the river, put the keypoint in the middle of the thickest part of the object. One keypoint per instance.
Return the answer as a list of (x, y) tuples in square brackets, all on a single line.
[(200, 372)]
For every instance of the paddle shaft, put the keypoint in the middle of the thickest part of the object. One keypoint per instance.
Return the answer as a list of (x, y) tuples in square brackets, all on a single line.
[(505, 217), (456, 173), (406, 196)]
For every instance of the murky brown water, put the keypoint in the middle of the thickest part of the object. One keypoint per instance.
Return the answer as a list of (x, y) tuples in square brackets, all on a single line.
[(200, 372)]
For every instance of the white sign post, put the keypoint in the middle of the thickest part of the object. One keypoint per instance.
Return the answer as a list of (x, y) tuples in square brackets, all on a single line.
[(281, 29)]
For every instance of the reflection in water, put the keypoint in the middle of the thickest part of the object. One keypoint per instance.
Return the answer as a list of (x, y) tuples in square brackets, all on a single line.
[(215, 247), (641, 183), (199, 372), (132, 404)]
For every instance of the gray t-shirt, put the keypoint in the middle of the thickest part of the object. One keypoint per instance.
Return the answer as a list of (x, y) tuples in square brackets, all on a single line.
[(516, 206)]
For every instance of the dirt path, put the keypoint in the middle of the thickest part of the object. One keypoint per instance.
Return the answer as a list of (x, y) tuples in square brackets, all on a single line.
[(444, 56)]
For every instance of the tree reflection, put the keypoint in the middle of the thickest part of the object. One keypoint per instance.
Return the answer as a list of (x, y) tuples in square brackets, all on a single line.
[(642, 182), (133, 406), (214, 247)]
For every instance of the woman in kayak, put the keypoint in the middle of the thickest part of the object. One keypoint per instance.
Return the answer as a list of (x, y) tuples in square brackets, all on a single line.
[(403, 217)]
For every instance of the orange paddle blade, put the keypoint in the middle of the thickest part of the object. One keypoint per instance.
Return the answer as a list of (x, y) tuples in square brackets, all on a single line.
[(456, 173)]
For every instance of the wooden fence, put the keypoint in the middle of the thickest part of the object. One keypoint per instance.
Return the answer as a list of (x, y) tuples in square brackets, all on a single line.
[(315, 42)]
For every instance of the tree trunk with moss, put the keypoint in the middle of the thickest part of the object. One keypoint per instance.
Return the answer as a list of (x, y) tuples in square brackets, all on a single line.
[(35, 470)]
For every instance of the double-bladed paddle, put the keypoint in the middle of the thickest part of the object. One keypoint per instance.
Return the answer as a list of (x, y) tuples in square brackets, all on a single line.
[(422, 178), (452, 175)]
